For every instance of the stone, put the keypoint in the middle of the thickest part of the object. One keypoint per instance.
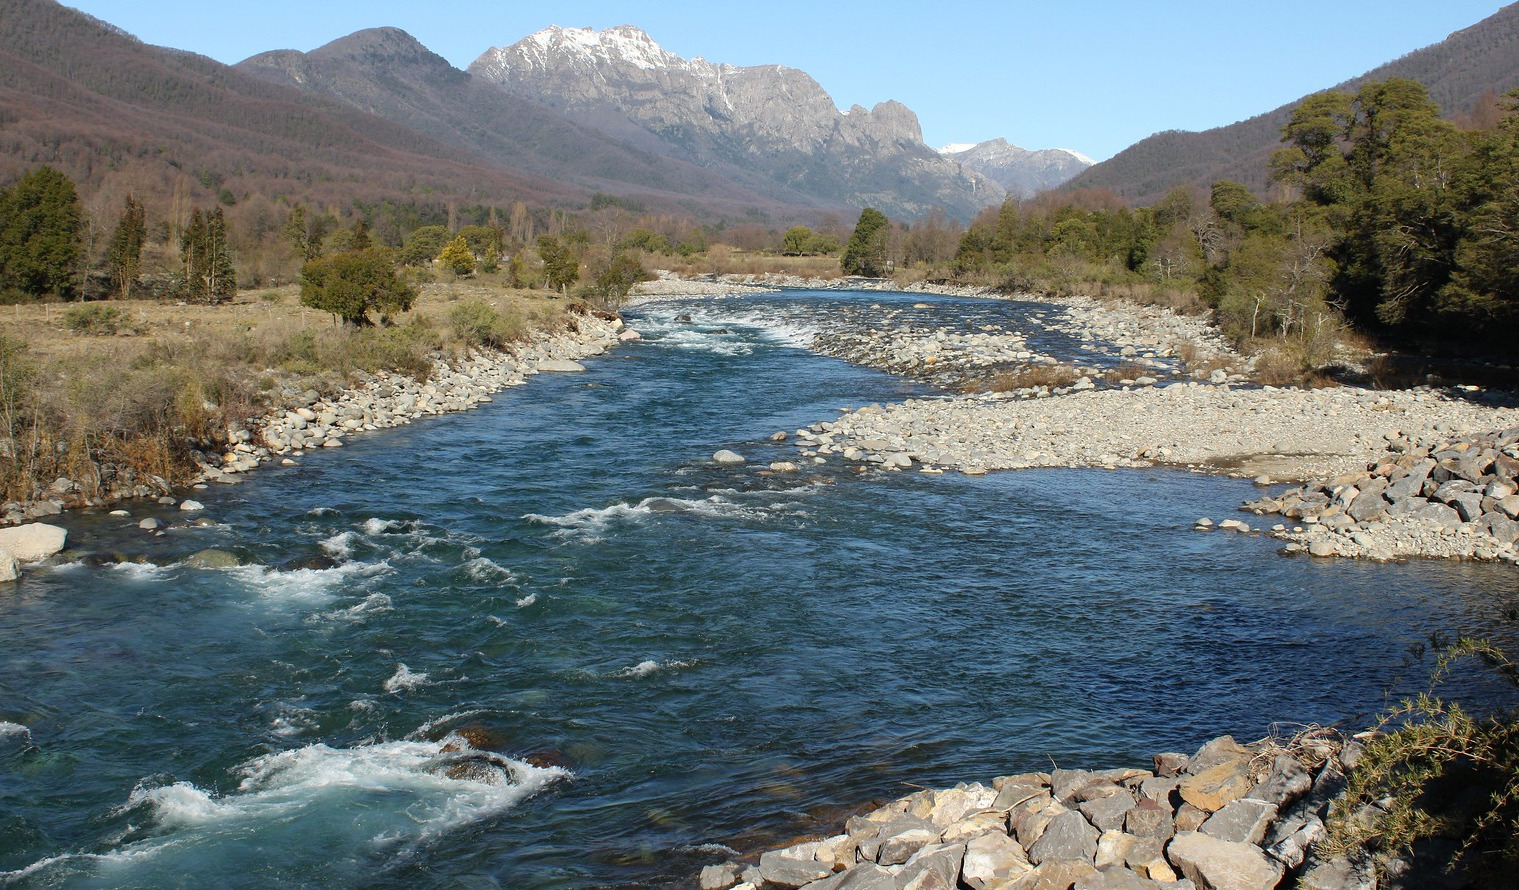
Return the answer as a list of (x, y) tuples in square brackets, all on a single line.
[(34, 541), (1215, 864), (719, 877), (1189, 818), (785, 871), (1243, 821), (865, 876), (1337, 874), (1015, 794), (1509, 506), (560, 366), (150, 524), (1064, 783), (974, 826), (1169, 766), (10, 568), (190, 506), (1468, 505), (935, 867), (211, 558), (1322, 548), (1068, 836), (899, 848), (1112, 848), (1149, 819), (1287, 781), (991, 860), (1028, 825), (1059, 874), (784, 466), (629, 334), (728, 457), (1438, 514), (1216, 786), (1107, 813), (1119, 879)]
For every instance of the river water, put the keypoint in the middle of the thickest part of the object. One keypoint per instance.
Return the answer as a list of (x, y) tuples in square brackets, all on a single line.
[(652, 655)]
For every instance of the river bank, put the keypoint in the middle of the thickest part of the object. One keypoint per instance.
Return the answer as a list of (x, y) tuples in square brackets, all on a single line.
[(1228, 817)]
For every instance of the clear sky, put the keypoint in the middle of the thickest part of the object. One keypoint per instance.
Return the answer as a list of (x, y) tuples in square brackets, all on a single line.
[(1095, 76)]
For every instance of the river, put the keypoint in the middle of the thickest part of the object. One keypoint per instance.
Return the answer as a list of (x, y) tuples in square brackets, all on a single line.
[(655, 657)]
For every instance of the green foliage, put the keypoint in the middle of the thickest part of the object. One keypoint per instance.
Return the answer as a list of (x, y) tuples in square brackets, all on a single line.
[(802, 241), (561, 265), (612, 282), (92, 318), (352, 284), (124, 255), (601, 201), (645, 240), (457, 258), (865, 254), (1436, 770), (478, 323), (298, 234), (206, 259), (40, 224), (423, 245)]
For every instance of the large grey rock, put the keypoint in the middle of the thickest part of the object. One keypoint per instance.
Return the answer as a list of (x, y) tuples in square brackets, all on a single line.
[(560, 365), (1468, 505), (718, 877), (1215, 864), (1216, 751), (865, 876), (728, 457), (1243, 821), (212, 558), (1287, 781), (29, 543), (1057, 874), (1149, 819), (935, 867), (10, 569), (1337, 874), (899, 848), (1068, 836), (1064, 783), (1107, 813), (784, 871), (991, 860), (1212, 788), (1119, 879)]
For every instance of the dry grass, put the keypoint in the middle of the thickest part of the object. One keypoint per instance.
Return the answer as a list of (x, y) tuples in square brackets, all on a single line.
[(1029, 377), (78, 400), (723, 260)]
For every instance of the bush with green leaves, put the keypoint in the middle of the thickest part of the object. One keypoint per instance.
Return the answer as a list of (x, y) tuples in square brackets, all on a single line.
[(354, 283), (477, 323), (92, 318)]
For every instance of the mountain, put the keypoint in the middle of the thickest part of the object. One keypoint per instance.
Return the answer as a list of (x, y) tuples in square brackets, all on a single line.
[(111, 111), (388, 73), (1458, 71), (1021, 172), (769, 128)]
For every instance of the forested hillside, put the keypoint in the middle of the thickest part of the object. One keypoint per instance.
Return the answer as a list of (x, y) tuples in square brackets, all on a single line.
[(1463, 74)]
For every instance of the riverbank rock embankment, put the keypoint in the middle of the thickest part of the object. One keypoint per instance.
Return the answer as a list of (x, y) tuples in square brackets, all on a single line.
[(1242, 817), (1427, 495)]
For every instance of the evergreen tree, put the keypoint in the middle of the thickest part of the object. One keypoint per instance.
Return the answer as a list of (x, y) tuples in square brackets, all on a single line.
[(561, 267), (865, 254), (124, 255), (358, 238), (192, 256), (40, 225), (354, 283), (209, 275), (221, 276), (457, 258)]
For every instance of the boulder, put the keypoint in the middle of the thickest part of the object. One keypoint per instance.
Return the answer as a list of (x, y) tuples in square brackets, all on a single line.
[(1243, 821), (718, 877), (1169, 766), (212, 558), (782, 870), (1119, 879), (1212, 788), (10, 569), (897, 849), (150, 524), (190, 506), (1057, 874), (991, 860), (1068, 836), (1214, 864), (1287, 781), (865, 876), (29, 543), (935, 867), (1149, 819), (1107, 813), (560, 365), (728, 457)]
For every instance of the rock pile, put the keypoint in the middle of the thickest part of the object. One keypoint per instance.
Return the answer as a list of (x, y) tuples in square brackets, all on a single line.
[(1438, 495), (937, 355), (1233, 816)]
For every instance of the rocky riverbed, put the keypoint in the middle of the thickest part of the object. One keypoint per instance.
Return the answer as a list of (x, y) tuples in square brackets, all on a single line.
[(1241, 817)]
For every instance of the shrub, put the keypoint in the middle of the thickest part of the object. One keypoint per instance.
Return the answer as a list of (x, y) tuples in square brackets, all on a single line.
[(92, 318), (354, 283), (476, 323), (1434, 770)]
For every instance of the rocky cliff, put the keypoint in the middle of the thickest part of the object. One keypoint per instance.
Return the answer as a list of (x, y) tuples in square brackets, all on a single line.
[(772, 129), (1021, 172)]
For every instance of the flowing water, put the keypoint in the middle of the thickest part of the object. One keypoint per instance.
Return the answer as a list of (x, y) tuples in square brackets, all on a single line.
[(552, 645)]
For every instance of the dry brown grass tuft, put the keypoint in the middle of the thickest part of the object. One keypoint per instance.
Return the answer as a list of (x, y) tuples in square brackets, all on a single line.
[(1029, 377)]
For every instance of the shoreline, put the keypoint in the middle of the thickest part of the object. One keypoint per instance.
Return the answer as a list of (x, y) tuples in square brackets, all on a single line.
[(1203, 415)]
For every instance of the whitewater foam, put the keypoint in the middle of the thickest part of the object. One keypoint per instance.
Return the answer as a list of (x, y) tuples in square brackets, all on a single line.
[(374, 604), (483, 570), (8, 730), (527, 601), (303, 584), (404, 679), (591, 521), (645, 668)]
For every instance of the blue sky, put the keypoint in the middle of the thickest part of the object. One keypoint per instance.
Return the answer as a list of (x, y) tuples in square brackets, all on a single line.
[(1096, 76)]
